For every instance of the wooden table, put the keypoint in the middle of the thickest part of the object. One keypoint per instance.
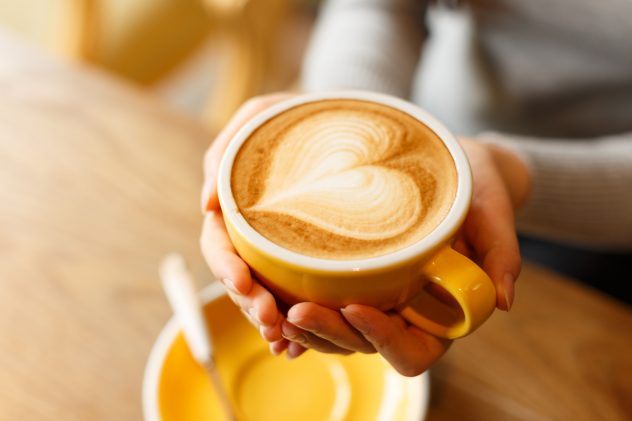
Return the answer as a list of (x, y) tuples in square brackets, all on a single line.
[(99, 181)]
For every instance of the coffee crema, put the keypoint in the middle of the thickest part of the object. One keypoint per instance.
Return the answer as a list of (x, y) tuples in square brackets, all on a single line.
[(343, 179)]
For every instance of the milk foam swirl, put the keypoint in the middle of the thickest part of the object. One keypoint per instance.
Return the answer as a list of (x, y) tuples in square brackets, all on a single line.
[(343, 179), (326, 171)]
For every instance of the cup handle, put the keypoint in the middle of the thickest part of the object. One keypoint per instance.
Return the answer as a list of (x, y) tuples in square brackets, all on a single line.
[(456, 300)]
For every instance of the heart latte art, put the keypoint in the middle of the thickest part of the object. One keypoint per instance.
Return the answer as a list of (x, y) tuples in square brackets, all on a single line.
[(343, 179)]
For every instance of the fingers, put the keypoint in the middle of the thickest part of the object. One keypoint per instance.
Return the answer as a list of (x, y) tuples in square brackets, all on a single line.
[(329, 325), (260, 309), (214, 154), (276, 348), (259, 305), (253, 299), (221, 257), (408, 349), (308, 340), (365, 329), (294, 350), (489, 227)]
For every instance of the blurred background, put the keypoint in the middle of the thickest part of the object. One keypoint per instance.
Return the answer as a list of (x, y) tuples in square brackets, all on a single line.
[(206, 57), (203, 56)]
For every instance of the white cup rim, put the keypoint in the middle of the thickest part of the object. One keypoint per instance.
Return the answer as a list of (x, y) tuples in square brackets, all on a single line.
[(438, 236)]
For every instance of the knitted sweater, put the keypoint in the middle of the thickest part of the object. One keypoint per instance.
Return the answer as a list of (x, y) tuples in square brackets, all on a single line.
[(561, 77)]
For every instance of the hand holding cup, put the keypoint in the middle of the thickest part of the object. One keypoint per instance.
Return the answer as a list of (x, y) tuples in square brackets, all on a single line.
[(385, 282)]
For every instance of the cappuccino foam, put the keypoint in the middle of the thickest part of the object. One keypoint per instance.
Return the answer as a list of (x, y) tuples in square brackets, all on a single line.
[(343, 179)]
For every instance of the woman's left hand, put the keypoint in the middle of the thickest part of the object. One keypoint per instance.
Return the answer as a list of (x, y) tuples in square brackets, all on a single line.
[(488, 236)]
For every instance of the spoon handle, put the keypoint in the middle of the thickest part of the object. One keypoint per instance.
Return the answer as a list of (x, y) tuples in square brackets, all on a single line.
[(180, 291)]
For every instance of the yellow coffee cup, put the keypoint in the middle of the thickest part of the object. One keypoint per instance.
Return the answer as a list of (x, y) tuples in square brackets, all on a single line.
[(428, 283)]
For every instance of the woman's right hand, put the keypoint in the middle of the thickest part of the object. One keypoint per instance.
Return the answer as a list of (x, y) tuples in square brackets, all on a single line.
[(257, 304)]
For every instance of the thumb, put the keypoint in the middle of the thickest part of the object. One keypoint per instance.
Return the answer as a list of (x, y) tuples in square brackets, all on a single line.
[(490, 229)]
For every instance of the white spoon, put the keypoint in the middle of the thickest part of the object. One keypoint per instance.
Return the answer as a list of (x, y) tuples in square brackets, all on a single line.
[(180, 291)]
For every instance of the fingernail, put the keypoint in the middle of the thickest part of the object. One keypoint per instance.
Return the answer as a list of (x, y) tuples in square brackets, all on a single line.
[(292, 352), (276, 348), (230, 285), (508, 289), (253, 314), (286, 332), (291, 316), (299, 339), (247, 316), (273, 350)]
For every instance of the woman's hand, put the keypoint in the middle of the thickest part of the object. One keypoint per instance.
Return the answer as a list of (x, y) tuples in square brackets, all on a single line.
[(501, 184), (488, 236)]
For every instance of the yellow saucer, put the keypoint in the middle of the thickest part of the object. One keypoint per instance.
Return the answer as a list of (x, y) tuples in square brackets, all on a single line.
[(262, 387)]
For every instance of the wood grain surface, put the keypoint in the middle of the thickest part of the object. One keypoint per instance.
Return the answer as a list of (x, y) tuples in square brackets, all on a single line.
[(99, 181), (563, 352)]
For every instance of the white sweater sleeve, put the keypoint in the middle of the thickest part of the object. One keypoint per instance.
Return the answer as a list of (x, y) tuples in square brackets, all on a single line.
[(360, 44), (582, 190)]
